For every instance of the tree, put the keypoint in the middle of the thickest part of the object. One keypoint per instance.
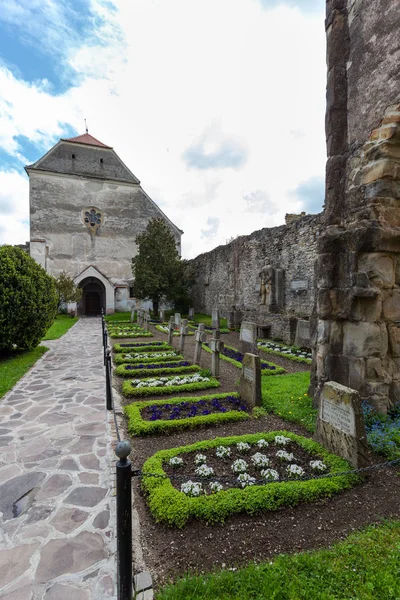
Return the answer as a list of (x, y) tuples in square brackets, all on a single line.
[(28, 300), (160, 274), (67, 291)]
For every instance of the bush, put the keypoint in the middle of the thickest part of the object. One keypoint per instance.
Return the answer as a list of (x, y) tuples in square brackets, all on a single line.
[(174, 368), (28, 300), (169, 505)]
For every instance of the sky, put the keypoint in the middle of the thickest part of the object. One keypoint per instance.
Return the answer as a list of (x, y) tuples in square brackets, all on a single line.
[(217, 106)]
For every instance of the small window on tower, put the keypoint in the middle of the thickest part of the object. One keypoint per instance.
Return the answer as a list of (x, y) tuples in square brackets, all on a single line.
[(131, 294), (73, 156), (101, 160)]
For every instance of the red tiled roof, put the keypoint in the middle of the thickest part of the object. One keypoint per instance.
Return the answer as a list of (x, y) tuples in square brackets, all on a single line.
[(87, 139)]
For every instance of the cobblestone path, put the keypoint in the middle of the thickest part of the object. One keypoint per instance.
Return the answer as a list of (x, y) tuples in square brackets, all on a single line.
[(56, 504)]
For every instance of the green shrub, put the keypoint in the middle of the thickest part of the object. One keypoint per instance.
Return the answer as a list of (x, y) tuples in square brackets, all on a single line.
[(28, 300), (139, 347), (125, 371), (129, 390), (129, 334), (169, 505), (139, 426)]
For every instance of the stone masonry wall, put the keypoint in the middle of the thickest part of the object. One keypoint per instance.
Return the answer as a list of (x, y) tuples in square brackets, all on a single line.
[(357, 330), (229, 275)]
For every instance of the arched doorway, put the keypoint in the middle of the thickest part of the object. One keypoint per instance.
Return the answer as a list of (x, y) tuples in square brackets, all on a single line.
[(93, 297)]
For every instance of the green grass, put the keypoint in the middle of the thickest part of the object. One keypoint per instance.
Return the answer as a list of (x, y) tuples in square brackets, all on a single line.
[(365, 566), (60, 326), (118, 316), (206, 319), (14, 367), (286, 396)]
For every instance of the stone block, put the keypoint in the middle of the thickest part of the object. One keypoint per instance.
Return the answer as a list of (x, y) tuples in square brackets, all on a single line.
[(380, 268), (364, 340), (373, 369), (394, 393), (367, 309), (250, 380), (381, 169), (340, 424), (356, 374), (336, 337), (302, 339), (394, 339), (337, 368), (142, 581), (391, 306), (323, 331)]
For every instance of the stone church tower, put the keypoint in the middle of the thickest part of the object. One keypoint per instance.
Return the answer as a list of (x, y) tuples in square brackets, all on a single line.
[(86, 209)]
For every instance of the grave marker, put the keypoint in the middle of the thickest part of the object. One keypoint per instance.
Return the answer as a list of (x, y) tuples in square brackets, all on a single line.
[(177, 319), (250, 380), (171, 327), (184, 330), (303, 335), (133, 315), (248, 337), (162, 315), (340, 424), (191, 314), (215, 318), (216, 346), (200, 338)]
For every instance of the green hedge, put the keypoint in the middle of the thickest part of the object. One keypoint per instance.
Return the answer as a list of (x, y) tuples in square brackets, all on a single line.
[(129, 390), (139, 348), (130, 334), (299, 359), (265, 373), (123, 371), (168, 505), (121, 358), (139, 426)]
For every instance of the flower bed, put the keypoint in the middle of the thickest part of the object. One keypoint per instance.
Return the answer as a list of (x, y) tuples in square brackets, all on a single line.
[(233, 356), (383, 430), (153, 370), (164, 329), (147, 357), (129, 333), (181, 413), (168, 385), (208, 328), (290, 352), (142, 347), (255, 489)]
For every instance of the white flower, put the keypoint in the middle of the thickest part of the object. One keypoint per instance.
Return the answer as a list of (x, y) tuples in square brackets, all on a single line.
[(281, 440), (244, 479), (239, 466), (270, 474), (215, 486), (283, 455), (243, 446), (260, 460), (175, 461), (200, 459), (262, 444), (204, 471), (294, 471), (191, 488), (317, 465), (223, 451)]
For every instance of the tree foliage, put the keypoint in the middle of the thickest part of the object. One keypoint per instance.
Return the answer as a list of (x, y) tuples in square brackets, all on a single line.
[(160, 274), (28, 300), (67, 290)]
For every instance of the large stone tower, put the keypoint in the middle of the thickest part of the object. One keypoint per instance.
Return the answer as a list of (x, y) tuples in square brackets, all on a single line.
[(86, 209), (357, 332)]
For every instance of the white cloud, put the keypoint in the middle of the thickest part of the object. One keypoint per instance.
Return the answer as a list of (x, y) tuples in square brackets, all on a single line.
[(14, 207), (161, 74)]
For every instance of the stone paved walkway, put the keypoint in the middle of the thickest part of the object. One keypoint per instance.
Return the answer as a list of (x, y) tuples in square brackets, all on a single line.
[(56, 504)]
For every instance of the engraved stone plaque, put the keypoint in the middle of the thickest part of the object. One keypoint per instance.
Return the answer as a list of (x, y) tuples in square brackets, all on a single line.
[(298, 285)]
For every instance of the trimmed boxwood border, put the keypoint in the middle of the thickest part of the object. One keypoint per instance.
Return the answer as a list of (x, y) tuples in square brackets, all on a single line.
[(128, 390), (299, 359), (150, 347), (264, 373), (168, 505), (122, 371), (209, 329), (139, 426), (120, 358), (176, 333)]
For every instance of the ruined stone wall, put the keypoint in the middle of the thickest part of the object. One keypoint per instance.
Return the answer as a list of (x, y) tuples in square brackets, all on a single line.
[(357, 332), (229, 275)]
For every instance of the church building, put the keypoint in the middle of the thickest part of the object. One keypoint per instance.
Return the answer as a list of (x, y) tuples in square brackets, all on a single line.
[(86, 209)]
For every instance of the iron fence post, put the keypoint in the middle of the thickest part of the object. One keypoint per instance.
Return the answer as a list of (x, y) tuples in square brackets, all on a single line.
[(124, 521), (108, 379), (105, 336)]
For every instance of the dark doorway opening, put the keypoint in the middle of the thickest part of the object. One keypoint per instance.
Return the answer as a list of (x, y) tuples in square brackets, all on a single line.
[(93, 297)]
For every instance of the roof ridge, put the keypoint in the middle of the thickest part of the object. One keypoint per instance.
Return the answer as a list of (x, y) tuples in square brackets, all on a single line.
[(87, 139)]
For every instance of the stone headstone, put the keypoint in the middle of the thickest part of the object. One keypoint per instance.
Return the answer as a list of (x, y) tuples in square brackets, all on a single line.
[(171, 327), (215, 318), (340, 424), (248, 337), (191, 313), (177, 319), (200, 337), (132, 315), (231, 320), (184, 330), (303, 335), (299, 285), (216, 346), (250, 380), (162, 315)]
